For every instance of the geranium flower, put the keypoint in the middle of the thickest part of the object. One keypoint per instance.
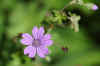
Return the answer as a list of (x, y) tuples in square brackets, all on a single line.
[(37, 43)]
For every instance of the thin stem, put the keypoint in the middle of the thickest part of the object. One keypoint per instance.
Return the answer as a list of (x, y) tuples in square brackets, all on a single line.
[(37, 61)]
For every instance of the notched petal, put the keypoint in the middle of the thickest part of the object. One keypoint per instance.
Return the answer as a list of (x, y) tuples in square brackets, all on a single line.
[(47, 42), (44, 50), (47, 37), (41, 32), (35, 32), (27, 36), (26, 41), (31, 51), (40, 53)]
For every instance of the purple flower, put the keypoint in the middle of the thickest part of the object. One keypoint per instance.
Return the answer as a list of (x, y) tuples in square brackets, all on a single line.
[(37, 43), (95, 7)]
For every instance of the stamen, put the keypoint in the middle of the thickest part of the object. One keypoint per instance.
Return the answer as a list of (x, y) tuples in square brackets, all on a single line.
[(36, 43)]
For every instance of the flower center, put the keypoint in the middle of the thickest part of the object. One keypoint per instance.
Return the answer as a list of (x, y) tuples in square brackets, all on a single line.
[(36, 43)]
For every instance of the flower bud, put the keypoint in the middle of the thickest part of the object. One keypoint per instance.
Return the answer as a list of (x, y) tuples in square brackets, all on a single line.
[(47, 58), (91, 6), (94, 7)]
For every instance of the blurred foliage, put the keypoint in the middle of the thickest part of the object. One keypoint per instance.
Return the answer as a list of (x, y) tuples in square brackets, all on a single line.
[(20, 16)]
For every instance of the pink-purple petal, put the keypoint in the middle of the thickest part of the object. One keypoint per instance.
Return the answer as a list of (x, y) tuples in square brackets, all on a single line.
[(35, 32), (26, 41), (44, 50), (30, 51), (47, 42), (40, 53), (47, 37), (41, 32), (27, 36)]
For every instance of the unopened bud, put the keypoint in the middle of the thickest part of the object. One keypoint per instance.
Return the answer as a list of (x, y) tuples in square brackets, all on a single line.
[(47, 58), (91, 6), (95, 7), (65, 49)]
